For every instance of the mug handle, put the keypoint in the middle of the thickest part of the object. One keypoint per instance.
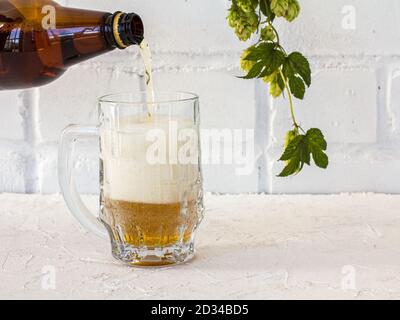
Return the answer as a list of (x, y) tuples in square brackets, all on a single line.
[(66, 180)]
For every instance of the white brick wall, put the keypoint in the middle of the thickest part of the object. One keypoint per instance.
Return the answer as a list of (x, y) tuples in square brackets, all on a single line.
[(354, 99)]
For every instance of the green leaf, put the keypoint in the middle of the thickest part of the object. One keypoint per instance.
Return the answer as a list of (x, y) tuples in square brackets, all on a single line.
[(316, 138), (292, 148), (265, 6), (300, 148), (297, 87), (274, 57), (281, 82), (292, 167), (317, 145), (304, 153), (255, 71), (297, 64), (320, 159), (268, 60), (253, 55), (273, 60), (257, 53)]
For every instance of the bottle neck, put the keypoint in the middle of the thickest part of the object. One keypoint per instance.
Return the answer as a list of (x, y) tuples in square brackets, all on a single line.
[(122, 30)]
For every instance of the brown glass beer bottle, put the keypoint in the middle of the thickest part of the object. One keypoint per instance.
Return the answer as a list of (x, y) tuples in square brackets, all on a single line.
[(39, 39)]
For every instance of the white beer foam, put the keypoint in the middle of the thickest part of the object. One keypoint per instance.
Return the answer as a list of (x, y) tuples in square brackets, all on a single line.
[(128, 175)]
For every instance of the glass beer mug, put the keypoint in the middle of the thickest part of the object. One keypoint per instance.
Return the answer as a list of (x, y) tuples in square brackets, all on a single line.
[(151, 197)]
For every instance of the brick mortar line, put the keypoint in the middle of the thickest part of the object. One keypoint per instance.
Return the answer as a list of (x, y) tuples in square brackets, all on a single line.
[(29, 112), (262, 134), (318, 63)]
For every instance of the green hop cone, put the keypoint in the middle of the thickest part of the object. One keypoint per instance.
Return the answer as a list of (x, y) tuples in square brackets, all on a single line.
[(247, 5), (289, 9), (279, 7), (233, 16), (267, 34), (246, 65), (293, 10), (274, 88), (244, 23), (269, 79), (290, 136)]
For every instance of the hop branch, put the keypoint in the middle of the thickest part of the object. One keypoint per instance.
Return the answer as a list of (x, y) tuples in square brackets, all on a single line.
[(283, 72)]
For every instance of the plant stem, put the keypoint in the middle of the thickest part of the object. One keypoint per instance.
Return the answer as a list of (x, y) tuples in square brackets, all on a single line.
[(290, 101), (278, 43), (275, 31)]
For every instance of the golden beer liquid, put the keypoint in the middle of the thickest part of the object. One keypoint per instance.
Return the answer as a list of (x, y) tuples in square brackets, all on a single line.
[(150, 225)]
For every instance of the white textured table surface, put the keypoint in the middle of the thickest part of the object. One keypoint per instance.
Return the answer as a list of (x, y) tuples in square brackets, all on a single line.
[(249, 247)]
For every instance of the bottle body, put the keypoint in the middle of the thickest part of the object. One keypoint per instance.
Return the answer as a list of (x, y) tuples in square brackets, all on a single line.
[(40, 39)]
